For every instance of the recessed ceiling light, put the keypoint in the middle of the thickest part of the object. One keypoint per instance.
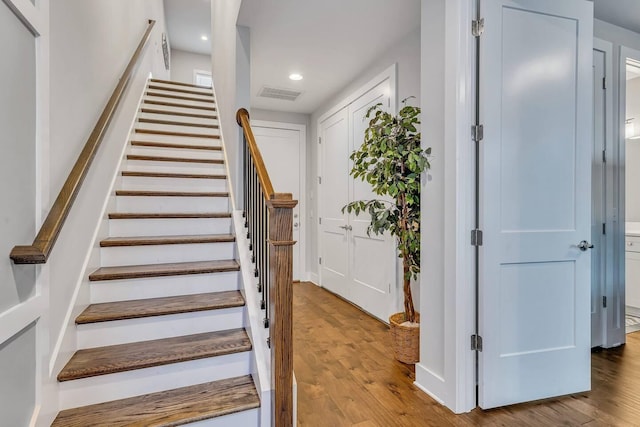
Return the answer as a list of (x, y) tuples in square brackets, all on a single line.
[(205, 38), (295, 76)]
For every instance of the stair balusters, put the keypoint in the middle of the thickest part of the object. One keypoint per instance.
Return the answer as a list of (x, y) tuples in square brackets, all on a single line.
[(269, 222)]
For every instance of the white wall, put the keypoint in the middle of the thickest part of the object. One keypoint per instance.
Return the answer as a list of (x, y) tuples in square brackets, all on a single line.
[(406, 53), (184, 63), (91, 44), (224, 14), (632, 157)]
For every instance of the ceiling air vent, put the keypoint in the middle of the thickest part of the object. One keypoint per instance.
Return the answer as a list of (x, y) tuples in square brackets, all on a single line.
[(275, 93)]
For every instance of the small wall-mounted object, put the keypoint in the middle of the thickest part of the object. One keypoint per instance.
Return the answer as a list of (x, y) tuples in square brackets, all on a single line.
[(165, 51), (630, 131)]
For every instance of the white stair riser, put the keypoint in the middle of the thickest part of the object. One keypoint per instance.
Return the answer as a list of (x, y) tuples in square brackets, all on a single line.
[(157, 327), (250, 418), (177, 152), (173, 184), (166, 286), (168, 227), (160, 254), (172, 139), (178, 118), (205, 95), (204, 90), (103, 388), (154, 204), (175, 167), (179, 109), (176, 128), (182, 102)]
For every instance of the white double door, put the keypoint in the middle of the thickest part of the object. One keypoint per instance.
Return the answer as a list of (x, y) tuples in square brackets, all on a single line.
[(535, 200), (354, 265)]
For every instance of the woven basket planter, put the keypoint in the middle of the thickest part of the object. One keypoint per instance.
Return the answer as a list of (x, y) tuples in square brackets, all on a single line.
[(405, 340)]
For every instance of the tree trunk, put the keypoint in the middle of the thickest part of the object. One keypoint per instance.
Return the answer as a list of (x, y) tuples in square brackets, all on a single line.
[(409, 310)]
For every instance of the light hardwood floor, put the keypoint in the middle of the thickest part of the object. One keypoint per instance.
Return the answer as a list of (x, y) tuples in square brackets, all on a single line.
[(347, 377)]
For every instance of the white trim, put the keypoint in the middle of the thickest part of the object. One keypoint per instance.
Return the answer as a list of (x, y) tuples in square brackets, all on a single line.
[(196, 72), (609, 323), (303, 182), (313, 278), (390, 73), (29, 14), (19, 317), (230, 178)]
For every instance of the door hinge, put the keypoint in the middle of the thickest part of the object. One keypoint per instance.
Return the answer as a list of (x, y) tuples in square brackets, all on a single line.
[(477, 27), (604, 156), (478, 132), (604, 301), (604, 83), (476, 237), (604, 228), (320, 221), (389, 287), (320, 260), (319, 140), (476, 343), (319, 180)]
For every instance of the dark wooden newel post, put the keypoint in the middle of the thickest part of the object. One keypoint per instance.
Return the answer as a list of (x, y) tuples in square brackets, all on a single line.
[(281, 331)]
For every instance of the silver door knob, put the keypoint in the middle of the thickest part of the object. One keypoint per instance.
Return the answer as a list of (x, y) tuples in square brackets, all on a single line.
[(346, 227), (584, 245)]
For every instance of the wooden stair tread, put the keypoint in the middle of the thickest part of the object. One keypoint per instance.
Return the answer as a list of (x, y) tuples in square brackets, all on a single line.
[(146, 193), (172, 175), (178, 113), (160, 270), (181, 97), (119, 215), (176, 123), (167, 408), (176, 89), (173, 159), (134, 309), (174, 104), (111, 359), (166, 240), (171, 82), (173, 145), (172, 133)]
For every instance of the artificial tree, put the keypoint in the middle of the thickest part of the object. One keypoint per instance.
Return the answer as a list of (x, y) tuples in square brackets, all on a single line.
[(391, 160)]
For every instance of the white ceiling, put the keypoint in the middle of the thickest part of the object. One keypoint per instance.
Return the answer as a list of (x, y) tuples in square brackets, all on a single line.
[(187, 22), (327, 41), (623, 13)]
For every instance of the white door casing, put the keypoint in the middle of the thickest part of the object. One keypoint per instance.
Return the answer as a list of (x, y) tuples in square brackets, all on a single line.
[(356, 266), (535, 200), (283, 149)]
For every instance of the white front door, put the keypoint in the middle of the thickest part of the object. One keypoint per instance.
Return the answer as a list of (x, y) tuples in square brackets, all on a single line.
[(535, 200), (353, 265), (281, 146)]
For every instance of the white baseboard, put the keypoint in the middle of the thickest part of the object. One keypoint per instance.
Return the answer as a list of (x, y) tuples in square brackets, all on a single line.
[(430, 383), (313, 278)]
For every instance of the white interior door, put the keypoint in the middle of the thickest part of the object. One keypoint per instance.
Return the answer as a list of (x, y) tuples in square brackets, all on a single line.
[(354, 265), (334, 248), (598, 203), (535, 202), (371, 257), (281, 148)]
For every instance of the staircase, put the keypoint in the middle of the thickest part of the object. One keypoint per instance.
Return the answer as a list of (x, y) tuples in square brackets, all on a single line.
[(163, 343)]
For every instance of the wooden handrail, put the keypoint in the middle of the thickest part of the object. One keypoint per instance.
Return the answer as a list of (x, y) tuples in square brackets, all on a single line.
[(242, 117), (280, 271), (39, 251)]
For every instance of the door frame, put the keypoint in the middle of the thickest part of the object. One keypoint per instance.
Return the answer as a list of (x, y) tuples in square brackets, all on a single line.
[(302, 129), (616, 334), (389, 73)]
